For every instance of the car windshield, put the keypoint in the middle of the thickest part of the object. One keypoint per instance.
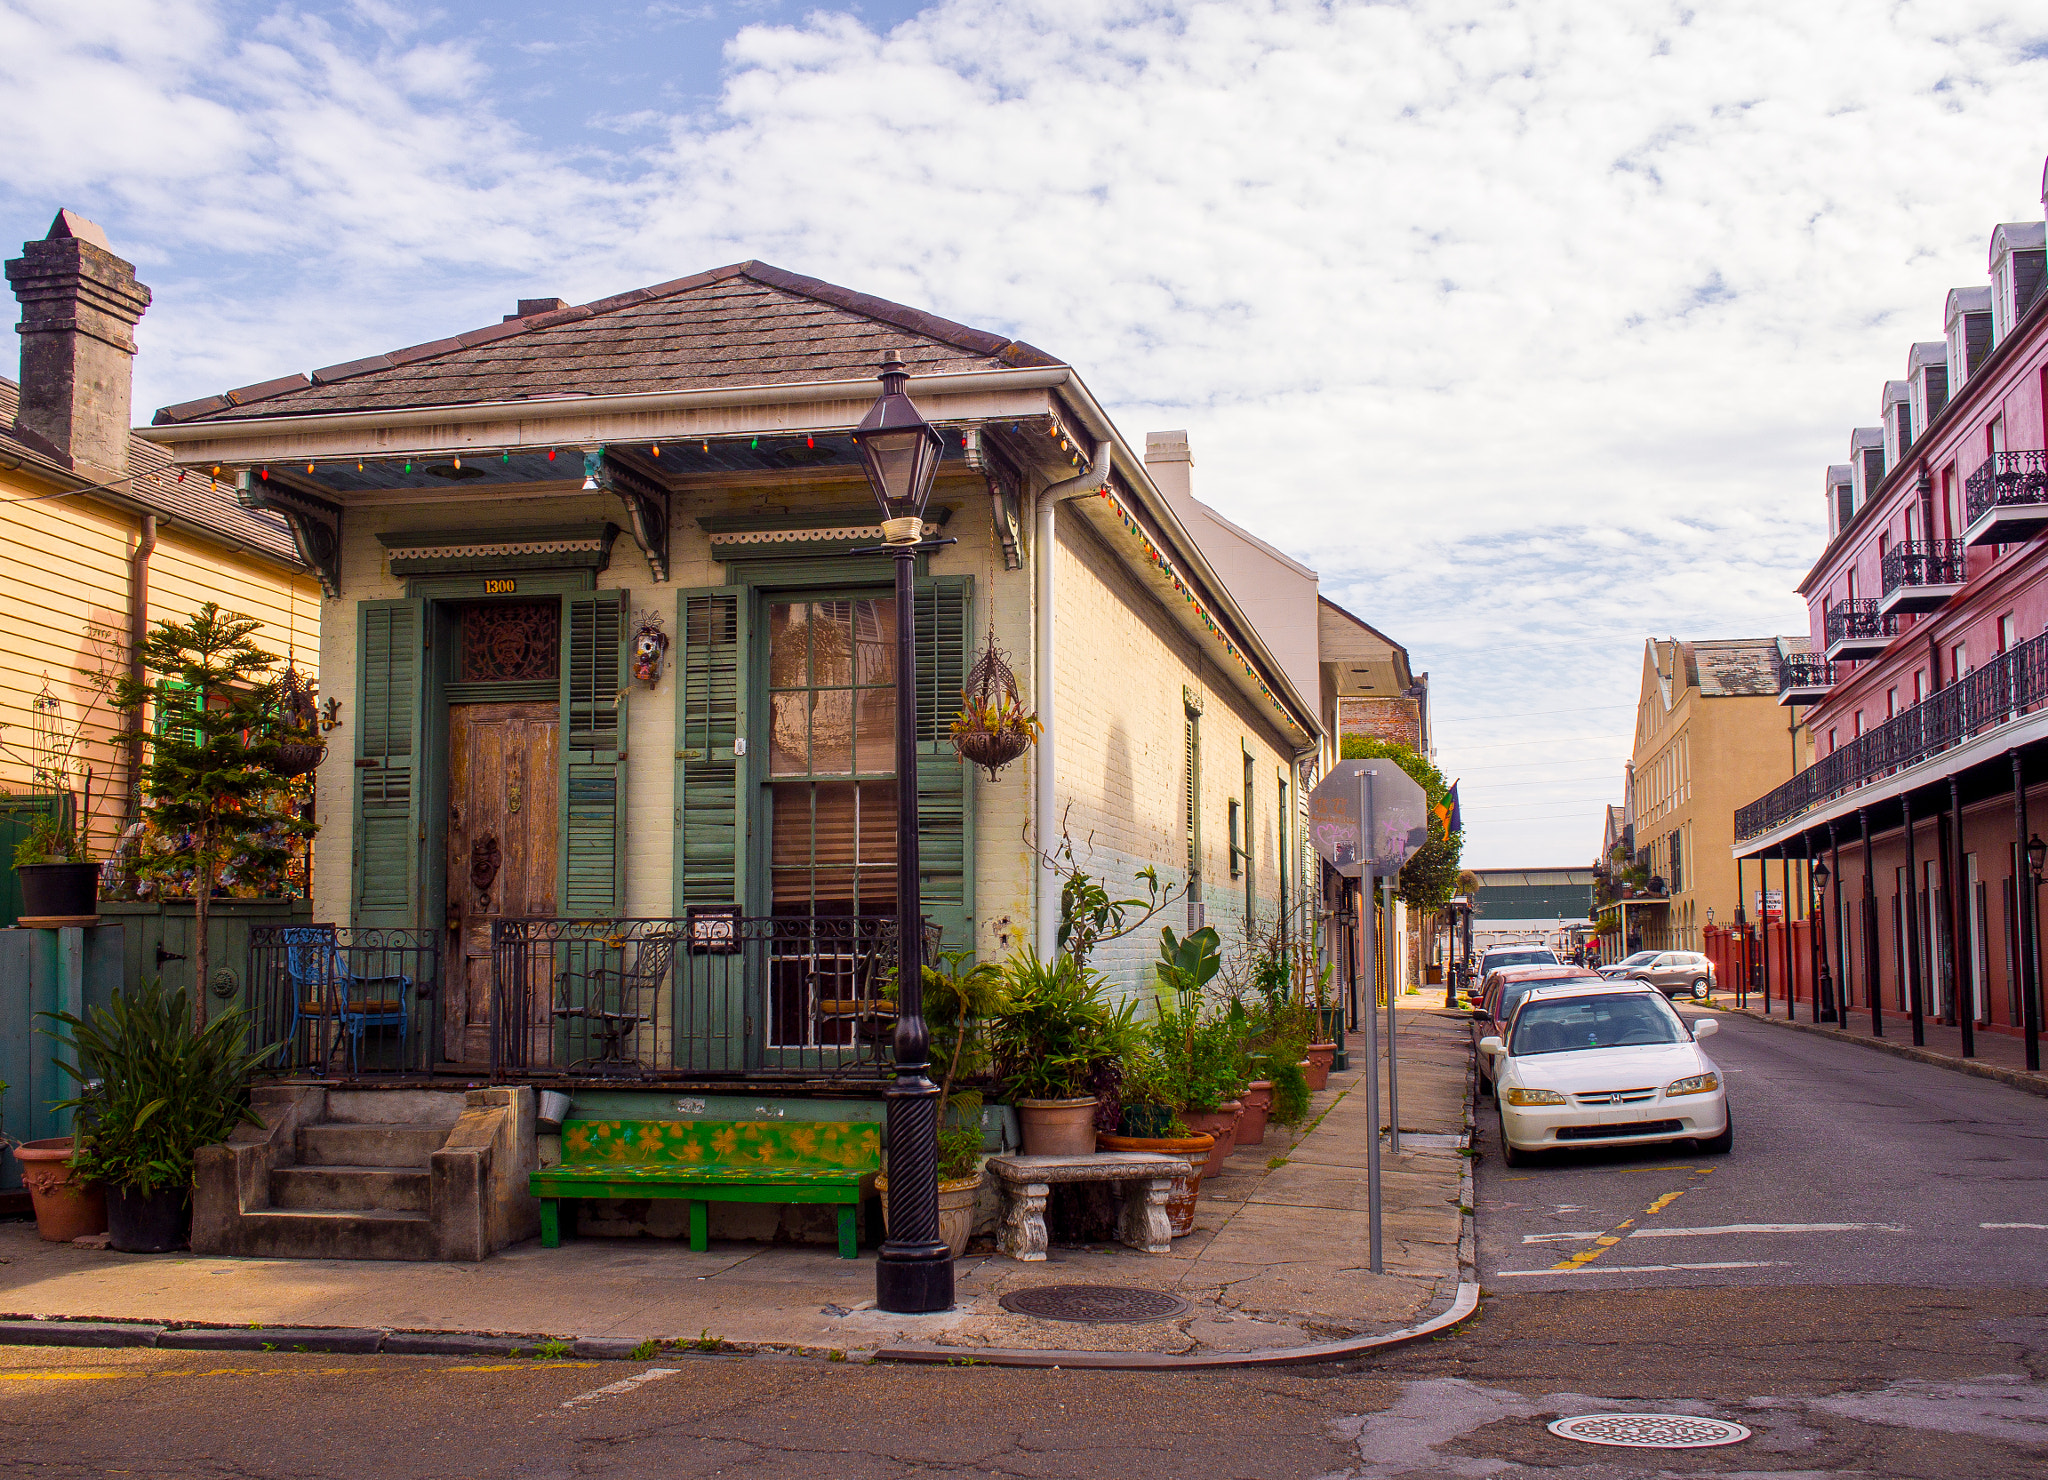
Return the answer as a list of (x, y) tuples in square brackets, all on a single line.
[(1520, 958), (1512, 993), (1571, 1023)]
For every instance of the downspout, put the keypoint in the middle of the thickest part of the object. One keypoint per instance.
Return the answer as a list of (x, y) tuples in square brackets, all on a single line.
[(1044, 812), (138, 622)]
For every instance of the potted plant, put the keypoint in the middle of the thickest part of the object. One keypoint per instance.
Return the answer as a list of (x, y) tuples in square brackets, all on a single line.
[(68, 1205), (1057, 1032), (1149, 1121), (993, 728), (58, 877), (959, 1002), (1203, 1055), (153, 1089)]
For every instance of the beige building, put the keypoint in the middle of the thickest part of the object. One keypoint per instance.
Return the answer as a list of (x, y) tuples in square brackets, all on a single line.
[(1709, 734), (99, 537)]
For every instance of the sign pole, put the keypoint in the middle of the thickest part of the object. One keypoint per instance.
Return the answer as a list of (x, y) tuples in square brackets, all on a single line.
[(1367, 961), (1393, 1076)]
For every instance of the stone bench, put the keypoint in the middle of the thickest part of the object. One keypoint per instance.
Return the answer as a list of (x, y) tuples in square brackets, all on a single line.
[(1145, 1179)]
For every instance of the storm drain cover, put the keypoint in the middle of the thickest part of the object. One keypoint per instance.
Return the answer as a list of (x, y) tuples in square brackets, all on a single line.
[(1649, 1430), (1100, 1305)]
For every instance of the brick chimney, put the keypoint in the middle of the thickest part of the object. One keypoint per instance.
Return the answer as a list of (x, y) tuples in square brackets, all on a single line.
[(79, 307)]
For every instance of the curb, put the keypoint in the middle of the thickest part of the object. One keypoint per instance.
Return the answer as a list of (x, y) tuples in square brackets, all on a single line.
[(2019, 1079), (1463, 1306), (359, 1341)]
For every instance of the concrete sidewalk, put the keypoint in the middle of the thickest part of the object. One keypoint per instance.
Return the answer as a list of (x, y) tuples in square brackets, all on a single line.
[(1278, 1259), (1999, 1055)]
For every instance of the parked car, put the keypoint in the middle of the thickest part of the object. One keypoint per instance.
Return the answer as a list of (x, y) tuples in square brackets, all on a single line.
[(1515, 956), (1612, 1064), (1671, 972), (1502, 992)]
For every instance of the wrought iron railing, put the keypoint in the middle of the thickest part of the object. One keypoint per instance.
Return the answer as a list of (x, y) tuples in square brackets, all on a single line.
[(1804, 671), (1925, 563), (715, 995), (1858, 618), (343, 1001), (2006, 478), (2008, 686)]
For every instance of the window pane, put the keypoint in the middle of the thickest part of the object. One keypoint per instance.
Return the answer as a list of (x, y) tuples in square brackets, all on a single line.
[(832, 732), (831, 643), (874, 635), (788, 645), (788, 734), (875, 731)]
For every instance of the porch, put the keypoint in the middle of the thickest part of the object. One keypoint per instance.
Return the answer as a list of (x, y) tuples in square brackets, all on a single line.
[(713, 997)]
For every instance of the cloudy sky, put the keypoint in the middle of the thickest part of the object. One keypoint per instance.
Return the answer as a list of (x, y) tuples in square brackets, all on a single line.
[(1531, 326)]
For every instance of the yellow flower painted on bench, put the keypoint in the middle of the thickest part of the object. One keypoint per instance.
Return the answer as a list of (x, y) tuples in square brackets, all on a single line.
[(576, 1136), (725, 1141)]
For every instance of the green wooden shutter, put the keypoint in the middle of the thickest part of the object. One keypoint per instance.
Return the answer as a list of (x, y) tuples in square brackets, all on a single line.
[(593, 801), (711, 799), (945, 783), (390, 680), (174, 708)]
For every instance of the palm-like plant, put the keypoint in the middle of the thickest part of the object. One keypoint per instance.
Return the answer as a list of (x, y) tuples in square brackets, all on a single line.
[(153, 1088), (1058, 1028)]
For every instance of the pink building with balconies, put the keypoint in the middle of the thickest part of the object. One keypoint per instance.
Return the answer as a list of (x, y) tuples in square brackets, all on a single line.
[(1926, 693)]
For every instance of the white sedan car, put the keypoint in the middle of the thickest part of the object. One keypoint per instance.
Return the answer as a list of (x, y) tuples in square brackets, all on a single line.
[(1612, 1065)]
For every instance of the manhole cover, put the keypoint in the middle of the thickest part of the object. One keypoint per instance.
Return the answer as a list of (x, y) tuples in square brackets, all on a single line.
[(1649, 1430), (1100, 1305)]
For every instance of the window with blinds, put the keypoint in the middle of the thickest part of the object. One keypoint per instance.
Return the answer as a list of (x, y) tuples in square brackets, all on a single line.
[(1192, 788)]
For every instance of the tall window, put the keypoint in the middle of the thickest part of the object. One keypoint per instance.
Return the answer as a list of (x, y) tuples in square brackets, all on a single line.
[(1958, 661), (832, 756), (1283, 824), (1251, 898)]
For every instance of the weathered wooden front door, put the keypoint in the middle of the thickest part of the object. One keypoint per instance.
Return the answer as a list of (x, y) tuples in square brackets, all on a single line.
[(503, 834)]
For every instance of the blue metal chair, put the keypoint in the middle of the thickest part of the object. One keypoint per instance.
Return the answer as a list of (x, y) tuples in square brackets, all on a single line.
[(323, 987)]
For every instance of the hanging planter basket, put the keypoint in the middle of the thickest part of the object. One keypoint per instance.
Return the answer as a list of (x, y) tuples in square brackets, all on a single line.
[(299, 758), (992, 728), (298, 698)]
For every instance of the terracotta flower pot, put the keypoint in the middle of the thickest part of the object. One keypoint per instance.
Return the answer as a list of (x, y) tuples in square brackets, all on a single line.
[(1183, 1191), (956, 1209), (1258, 1102), (65, 1209), (1057, 1127), (1317, 1064), (1220, 1123)]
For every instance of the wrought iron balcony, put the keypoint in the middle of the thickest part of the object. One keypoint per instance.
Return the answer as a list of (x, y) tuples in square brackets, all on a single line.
[(1857, 629), (1804, 678), (2007, 498), (2012, 684), (1921, 575)]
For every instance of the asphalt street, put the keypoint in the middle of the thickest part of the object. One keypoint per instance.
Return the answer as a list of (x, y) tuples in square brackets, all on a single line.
[(1849, 1167), (1920, 1353)]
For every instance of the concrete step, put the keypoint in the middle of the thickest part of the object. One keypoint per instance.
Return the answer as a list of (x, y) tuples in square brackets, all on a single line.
[(394, 1106), (338, 1188), (358, 1144), (357, 1233)]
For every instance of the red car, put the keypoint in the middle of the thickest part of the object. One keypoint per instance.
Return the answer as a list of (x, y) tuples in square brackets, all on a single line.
[(1501, 993)]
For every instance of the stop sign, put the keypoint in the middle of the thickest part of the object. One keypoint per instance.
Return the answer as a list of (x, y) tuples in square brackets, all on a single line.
[(1367, 818)]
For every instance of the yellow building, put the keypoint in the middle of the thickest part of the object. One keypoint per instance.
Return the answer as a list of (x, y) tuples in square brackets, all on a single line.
[(100, 537), (1709, 735)]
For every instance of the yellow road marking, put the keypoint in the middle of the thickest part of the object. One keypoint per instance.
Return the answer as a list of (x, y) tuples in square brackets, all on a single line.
[(1619, 1232)]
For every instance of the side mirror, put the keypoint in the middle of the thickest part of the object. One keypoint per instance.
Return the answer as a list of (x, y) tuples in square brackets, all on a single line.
[(1704, 1027), (1491, 1045)]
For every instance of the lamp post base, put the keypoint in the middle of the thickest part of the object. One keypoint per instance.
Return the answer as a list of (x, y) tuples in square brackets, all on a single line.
[(912, 1286)]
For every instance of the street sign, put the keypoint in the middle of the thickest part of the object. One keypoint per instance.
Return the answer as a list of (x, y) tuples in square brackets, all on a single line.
[(1391, 810)]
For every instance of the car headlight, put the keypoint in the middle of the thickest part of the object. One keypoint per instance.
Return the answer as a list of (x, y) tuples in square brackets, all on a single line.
[(1698, 1084), (1536, 1097)]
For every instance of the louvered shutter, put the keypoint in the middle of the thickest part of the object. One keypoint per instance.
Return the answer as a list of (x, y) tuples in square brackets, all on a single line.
[(710, 818), (945, 783), (593, 802), (390, 675)]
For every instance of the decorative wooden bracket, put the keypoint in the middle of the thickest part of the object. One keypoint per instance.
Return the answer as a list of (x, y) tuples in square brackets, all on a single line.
[(1003, 497), (647, 511), (315, 522)]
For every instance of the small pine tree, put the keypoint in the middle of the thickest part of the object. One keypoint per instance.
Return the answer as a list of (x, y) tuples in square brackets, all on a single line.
[(211, 782)]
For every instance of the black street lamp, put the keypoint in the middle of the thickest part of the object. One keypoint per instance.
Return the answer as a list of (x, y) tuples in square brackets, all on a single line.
[(1824, 986), (900, 452)]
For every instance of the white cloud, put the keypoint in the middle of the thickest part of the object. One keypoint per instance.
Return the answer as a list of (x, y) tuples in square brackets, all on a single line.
[(1531, 326)]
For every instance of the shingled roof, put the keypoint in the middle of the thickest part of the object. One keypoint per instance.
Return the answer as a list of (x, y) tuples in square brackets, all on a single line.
[(190, 499), (1740, 668), (747, 324)]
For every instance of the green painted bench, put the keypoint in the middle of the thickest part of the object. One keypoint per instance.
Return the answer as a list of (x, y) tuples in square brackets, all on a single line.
[(708, 1161)]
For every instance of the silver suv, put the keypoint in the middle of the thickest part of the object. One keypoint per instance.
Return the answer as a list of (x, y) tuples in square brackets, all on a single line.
[(1674, 973)]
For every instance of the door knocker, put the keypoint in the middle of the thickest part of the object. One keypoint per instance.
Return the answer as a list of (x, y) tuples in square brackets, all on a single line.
[(483, 867), (513, 793)]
